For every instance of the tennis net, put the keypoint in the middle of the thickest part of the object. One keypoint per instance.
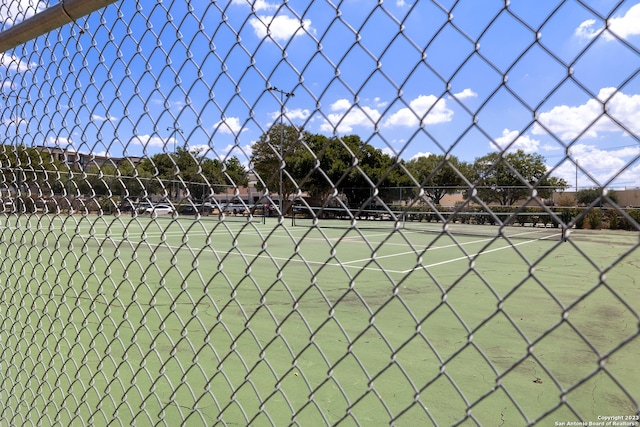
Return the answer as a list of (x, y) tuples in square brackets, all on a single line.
[(512, 225)]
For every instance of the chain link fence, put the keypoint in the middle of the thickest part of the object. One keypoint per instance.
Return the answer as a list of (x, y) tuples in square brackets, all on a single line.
[(206, 208)]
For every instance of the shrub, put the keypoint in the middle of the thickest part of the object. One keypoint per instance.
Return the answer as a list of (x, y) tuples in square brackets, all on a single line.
[(545, 219), (635, 215), (588, 195), (106, 204), (613, 220), (566, 216), (594, 218), (580, 218), (566, 200)]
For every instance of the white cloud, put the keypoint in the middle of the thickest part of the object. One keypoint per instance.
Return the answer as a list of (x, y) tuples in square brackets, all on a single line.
[(59, 141), (379, 103), (14, 121), (229, 125), (586, 31), (347, 118), (341, 105), (14, 63), (603, 165), (567, 122), (522, 142), (151, 141), (291, 115), (280, 28), (98, 118), (414, 115), (466, 93), (173, 105), (242, 152), (623, 26), (177, 105), (629, 178), (15, 11), (552, 147), (418, 155), (256, 4), (298, 113), (389, 151)]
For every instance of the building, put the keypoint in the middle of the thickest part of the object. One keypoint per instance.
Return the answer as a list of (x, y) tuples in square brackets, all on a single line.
[(83, 162)]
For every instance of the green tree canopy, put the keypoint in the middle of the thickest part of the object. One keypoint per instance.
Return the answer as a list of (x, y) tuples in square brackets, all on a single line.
[(188, 170), (438, 175), (281, 148), (317, 164), (367, 169), (27, 168), (229, 172), (132, 180), (503, 178), (590, 195)]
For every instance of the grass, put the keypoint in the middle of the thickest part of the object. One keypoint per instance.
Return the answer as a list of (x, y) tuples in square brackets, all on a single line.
[(171, 321)]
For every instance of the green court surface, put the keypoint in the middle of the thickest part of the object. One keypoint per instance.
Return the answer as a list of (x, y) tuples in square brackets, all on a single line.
[(261, 323)]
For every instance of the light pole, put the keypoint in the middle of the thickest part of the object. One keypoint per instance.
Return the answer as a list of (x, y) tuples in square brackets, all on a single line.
[(175, 130), (576, 202), (282, 95), (18, 98)]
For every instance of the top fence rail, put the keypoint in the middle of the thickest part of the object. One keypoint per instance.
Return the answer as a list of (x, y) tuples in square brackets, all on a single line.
[(47, 20)]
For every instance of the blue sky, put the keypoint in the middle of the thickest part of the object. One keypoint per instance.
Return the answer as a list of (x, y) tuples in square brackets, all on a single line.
[(411, 78)]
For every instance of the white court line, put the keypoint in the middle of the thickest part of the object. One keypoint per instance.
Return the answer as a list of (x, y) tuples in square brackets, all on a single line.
[(478, 253), (448, 261), (347, 264)]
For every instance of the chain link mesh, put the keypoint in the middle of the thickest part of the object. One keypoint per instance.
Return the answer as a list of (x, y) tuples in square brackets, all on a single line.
[(112, 313)]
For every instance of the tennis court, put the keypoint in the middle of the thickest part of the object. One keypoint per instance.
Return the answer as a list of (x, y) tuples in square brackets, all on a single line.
[(264, 323)]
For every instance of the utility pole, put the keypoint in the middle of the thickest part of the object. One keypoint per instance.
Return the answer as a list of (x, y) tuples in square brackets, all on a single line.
[(576, 177), (283, 94), (175, 130)]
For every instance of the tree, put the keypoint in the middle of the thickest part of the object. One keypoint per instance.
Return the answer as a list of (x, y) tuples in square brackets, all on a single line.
[(437, 175), (308, 164), (280, 149), (318, 165), (155, 170), (551, 185), (191, 171), (503, 178), (230, 172), (27, 168), (132, 179), (357, 169), (590, 195), (98, 180)]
